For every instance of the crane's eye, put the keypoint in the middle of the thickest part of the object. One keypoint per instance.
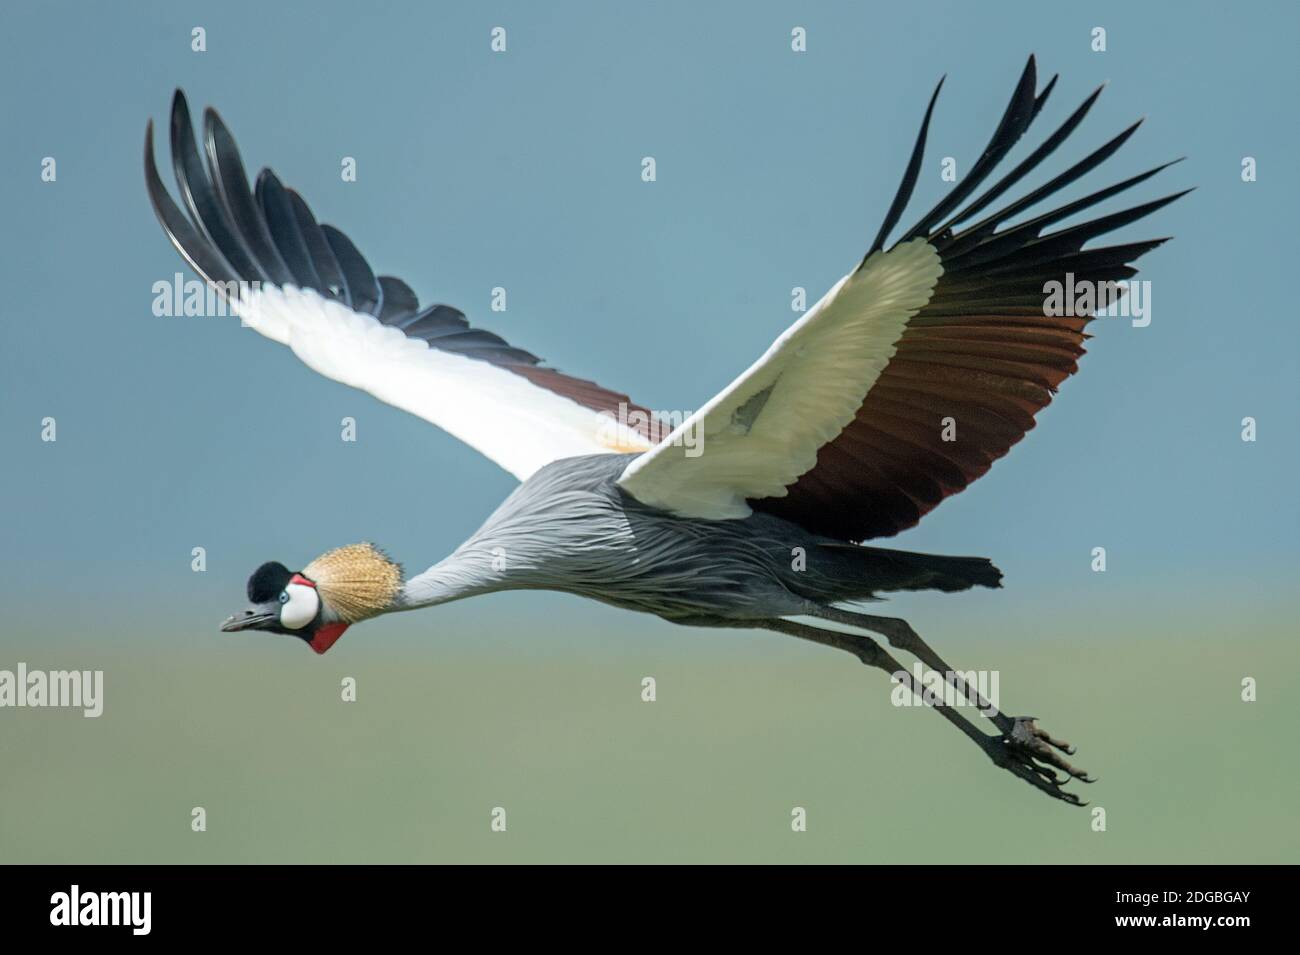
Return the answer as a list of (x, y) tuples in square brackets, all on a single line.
[(284, 596)]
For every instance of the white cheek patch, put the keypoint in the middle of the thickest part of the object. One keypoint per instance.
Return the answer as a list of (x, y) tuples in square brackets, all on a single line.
[(301, 607)]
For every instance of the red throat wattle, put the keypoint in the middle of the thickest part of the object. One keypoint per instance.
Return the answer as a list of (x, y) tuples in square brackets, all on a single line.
[(324, 637)]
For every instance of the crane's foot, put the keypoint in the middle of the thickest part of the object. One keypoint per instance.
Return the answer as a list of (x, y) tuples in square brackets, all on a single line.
[(1033, 755)]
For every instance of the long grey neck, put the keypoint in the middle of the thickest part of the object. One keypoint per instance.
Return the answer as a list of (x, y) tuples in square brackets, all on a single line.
[(562, 529), (473, 569)]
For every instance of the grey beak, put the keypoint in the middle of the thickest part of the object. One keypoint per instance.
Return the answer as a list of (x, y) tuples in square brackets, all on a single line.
[(246, 620)]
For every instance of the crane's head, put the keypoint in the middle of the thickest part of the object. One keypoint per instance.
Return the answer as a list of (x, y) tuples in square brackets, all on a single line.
[(319, 602)]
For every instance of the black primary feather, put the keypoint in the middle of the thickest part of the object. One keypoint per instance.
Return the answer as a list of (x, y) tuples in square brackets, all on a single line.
[(233, 236), (904, 194), (1020, 112), (236, 199)]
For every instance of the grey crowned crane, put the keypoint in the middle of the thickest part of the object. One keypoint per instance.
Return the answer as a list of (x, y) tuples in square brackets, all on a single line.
[(832, 437)]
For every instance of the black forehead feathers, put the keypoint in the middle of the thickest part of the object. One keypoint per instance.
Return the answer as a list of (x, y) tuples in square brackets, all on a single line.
[(267, 581)]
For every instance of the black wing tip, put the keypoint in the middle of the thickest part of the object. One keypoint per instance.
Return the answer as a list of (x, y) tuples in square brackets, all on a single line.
[(178, 109), (1041, 98), (180, 112), (214, 127), (904, 194), (1155, 204), (1155, 170), (1022, 96), (1123, 136)]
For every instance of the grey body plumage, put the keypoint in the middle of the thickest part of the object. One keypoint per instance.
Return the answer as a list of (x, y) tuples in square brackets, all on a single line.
[(905, 383), (571, 528)]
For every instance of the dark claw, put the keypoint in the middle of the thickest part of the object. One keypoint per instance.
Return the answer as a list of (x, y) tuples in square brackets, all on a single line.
[(1027, 752), (1042, 734)]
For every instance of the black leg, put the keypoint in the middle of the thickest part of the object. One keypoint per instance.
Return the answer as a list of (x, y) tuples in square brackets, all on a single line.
[(900, 635), (873, 655), (1020, 731), (1021, 752)]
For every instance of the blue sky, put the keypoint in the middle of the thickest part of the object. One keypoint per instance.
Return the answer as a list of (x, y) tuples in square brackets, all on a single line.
[(522, 170)]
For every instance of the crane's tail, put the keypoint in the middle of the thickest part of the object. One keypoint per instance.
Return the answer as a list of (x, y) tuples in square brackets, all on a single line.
[(904, 570)]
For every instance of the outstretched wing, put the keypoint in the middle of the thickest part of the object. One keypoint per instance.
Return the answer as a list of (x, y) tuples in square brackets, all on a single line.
[(305, 285), (846, 426)]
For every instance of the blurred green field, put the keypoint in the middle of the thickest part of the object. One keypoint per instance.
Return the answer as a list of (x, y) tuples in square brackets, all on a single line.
[(746, 726)]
